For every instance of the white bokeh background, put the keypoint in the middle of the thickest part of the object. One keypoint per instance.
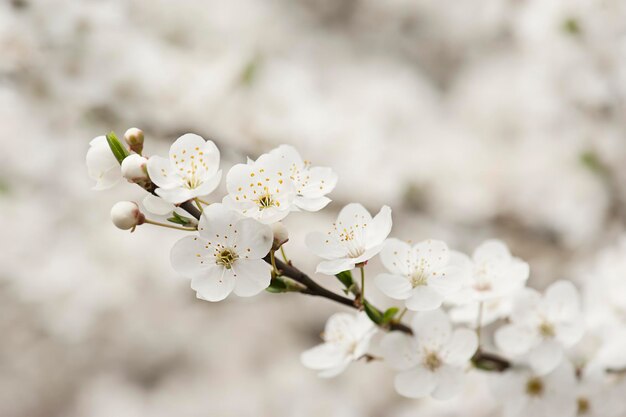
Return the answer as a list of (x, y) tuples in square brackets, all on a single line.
[(474, 119)]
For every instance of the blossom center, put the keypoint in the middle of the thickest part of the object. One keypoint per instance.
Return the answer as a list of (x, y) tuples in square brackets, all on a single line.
[(266, 201), (192, 181), (419, 278), (583, 405), (546, 329), (432, 361), (534, 387), (226, 258)]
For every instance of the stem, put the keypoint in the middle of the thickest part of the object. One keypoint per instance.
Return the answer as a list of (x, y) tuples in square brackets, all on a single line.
[(273, 262), (479, 321), (170, 226), (284, 255), (206, 203), (402, 313), (362, 268), (197, 201)]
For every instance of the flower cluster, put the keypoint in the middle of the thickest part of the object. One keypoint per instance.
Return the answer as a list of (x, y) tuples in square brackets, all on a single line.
[(232, 247)]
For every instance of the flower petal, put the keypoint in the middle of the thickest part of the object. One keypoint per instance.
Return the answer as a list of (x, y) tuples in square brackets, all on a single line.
[(447, 280), (311, 204), (189, 257), (253, 239), (251, 276), (379, 228), (449, 382), (394, 286), (490, 250), (545, 357), (157, 205), (335, 266), (161, 173), (432, 329), (215, 284), (323, 356), (514, 340), (325, 245), (320, 181), (399, 350), (562, 301), (461, 347), (434, 254), (415, 383), (424, 298), (396, 256)]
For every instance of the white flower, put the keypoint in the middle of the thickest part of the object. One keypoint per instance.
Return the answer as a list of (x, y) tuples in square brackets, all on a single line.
[(494, 277), (134, 168), (422, 275), (346, 339), (598, 394), (227, 255), (191, 171), (542, 326), (126, 215), (433, 360), (523, 393), (311, 183), (102, 165), (261, 189), (134, 138), (355, 238)]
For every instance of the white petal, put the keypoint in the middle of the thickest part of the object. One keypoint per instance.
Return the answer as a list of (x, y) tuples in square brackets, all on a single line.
[(433, 254), (432, 329), (335, 266), (333, 372), (379, 228), (351, 215), (218, 223), (449, 382), (192, 152), (447, 280), (396, 256), (156, 205), (189, 257), (289, 155), (209, 184), (251, 276), (161, 173), (424, 298), (394, 286), (311, 204), (562, 301), (415, 383), (399, 350), (325, 245), (175, 195), (253, 239), (514, 340), (545, 357), (215, 284), (108, 179), (490, 250), (461, 346), (321, 181), (323, 356), (570, 333)]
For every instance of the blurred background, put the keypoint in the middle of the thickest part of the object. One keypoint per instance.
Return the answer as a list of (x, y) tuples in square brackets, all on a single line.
[(472, 119)]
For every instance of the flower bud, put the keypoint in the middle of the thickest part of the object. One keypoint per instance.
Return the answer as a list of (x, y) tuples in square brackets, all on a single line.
[(134, 138), (134, 169), (281, 235), (126, 215)]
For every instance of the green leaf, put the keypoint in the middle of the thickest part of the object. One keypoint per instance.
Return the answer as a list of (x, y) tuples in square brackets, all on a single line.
[(346, 279), (276, 286), (572, 26), (592, 161), (373, 313), (119, 151), (178, 219), (390, 314)]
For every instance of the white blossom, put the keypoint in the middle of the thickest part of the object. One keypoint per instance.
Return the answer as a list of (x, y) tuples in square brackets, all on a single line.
[(160, 210), (192, 169), (261, 189), (346, 339), (542, 326), (227, 255), (422, 275), (433, 360), (102, 165), (494, 277), (134, 139), (311, 183), (126, 215), (134, 168), (355, 238), (523, 393)]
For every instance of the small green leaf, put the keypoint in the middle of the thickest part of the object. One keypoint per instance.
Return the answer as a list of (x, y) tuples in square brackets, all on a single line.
[(373, 313), (346, 279), (119, 151), (178, 219), (276, 286), (592, 161), (390, 314), (572, 26)]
